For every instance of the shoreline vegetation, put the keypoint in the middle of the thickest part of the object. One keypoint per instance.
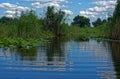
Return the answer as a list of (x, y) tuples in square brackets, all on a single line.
[(29, 30)]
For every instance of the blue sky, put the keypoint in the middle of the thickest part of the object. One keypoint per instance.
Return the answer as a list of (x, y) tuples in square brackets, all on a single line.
[(89, 8)]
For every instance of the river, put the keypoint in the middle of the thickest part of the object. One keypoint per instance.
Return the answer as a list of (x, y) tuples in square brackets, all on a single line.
[(91, 59)]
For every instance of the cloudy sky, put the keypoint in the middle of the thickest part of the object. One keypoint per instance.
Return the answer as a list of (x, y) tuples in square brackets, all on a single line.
[(89, 8)]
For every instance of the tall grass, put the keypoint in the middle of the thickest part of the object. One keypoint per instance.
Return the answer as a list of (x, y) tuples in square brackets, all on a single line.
[(23, 31), (84, 33), (26, 26)]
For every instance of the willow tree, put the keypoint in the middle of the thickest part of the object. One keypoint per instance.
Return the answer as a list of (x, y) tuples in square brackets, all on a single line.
[(54, 20), (115, 34)]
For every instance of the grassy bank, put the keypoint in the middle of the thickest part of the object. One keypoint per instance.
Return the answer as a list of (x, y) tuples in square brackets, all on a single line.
[(83, 33), (71, 32)]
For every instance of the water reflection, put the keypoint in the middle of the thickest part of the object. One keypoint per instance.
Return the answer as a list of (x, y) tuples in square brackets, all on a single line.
[(55, 50), (27, 54), (64, 60), (49, 57), (115, 47)]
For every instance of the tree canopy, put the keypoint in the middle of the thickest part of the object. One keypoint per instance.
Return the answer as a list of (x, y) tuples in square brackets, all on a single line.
[(5, 20), (99, 22), (54, 20), (81, 21)]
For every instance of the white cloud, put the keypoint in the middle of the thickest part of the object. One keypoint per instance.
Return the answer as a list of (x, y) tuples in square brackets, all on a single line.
[(39, 5), (66, 1), (46, 3), (98, 9), (69, 12), (88, 14), (12, 12), (10, 16), (13, 6), (103, 7), (21, 8), (55, 4), (7, 5), (12, 9), (105, 2)]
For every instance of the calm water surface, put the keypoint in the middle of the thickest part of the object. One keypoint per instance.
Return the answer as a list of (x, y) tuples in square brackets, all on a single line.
[(90, 59)]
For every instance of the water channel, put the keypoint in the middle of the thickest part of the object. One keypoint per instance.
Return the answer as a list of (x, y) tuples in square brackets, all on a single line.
[(91, 59)]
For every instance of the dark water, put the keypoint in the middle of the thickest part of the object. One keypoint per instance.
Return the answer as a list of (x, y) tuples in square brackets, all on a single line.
[(90, 59)]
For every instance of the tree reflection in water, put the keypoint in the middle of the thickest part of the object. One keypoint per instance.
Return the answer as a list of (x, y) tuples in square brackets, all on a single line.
[(27, 54), (98, 59), (115, 47), (45, 56), (54, 50)]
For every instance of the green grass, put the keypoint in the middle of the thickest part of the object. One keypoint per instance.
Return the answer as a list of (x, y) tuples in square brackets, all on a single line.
[(78, 33)]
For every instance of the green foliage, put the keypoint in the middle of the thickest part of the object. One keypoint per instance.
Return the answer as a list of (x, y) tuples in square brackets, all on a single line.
[(28, 25), (25, 27), (84, 33), (20, 42), (117, 11), (115, 31), (53, 20), (5, 20), (65, 28), (99, 22), (81, 21)]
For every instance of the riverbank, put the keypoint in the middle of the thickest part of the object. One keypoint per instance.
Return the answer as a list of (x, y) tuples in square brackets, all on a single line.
[(78, 33), (73, 32)]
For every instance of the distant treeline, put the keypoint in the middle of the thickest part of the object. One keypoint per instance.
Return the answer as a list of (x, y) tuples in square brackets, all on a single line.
[(53, 24)]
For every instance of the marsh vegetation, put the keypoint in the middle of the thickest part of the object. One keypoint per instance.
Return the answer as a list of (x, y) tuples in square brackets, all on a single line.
[(29, 28)]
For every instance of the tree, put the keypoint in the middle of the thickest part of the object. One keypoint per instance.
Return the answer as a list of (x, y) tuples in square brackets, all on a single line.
[(81, 21), (28, 22), (115, 30), (104, 21), (110, 18), (5, 20), (97, 22), (54, 20)]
